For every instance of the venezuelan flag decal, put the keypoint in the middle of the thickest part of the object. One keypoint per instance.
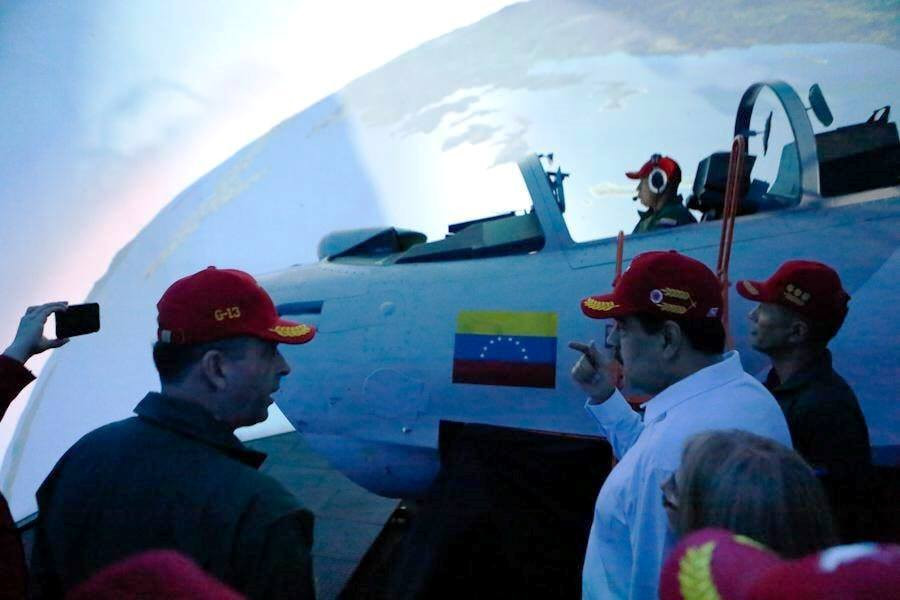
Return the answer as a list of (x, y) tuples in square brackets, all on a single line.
[(505, 348)]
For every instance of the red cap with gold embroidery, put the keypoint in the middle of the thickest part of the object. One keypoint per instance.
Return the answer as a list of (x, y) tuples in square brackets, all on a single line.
[(811, 288), (215, 304), (714, 563), (666, 284)]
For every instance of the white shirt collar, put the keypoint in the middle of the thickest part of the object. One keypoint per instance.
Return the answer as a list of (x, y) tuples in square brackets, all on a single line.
[(702, 381)]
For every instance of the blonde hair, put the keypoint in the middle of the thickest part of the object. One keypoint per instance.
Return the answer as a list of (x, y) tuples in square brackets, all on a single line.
[(756, 487)]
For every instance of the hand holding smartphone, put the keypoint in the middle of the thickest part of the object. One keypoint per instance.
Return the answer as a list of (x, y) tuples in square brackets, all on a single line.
[(70, 321)]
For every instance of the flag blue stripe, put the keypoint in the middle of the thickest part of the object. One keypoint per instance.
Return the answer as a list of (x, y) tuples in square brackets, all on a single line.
[(508, 348)]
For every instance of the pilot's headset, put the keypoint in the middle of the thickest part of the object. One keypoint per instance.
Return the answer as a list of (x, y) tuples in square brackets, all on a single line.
[(657, 180)]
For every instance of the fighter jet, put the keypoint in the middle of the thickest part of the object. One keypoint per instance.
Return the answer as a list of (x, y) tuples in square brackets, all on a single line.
[(474, 327)]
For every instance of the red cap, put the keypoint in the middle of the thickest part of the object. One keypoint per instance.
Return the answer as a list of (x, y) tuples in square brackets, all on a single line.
[(154, 574), (853, 572), (714, 563), (215, 304), (811, 288), (666, 284), (668, 166)]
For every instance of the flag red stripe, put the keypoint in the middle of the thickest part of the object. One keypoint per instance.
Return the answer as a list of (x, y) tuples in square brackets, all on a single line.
[(486, 372)]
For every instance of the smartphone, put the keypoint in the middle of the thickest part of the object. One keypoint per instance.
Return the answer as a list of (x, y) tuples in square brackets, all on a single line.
[(78, 319)]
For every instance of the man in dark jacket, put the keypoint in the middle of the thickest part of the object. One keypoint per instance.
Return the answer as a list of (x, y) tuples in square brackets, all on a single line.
[(175, 476), (802, 306), (14, 377), (658, 191)]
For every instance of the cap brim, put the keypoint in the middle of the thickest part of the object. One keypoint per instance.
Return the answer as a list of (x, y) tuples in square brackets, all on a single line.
[(603, 307), (753, 290), (636, 174), (290, 332)]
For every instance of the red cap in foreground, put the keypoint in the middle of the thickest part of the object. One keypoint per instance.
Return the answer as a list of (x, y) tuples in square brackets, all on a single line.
[(853, 572), (714, 563), (156, 574)]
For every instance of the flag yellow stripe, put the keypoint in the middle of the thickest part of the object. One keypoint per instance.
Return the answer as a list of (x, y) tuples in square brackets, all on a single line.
[(495, 322)]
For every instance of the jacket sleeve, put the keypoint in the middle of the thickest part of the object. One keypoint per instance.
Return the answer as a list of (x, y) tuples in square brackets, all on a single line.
[(44, 581), (13, 572), (13, 377), (618, 422), (276, 560)]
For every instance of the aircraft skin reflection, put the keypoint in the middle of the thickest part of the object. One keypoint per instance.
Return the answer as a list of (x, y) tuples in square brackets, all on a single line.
[(386, 370)]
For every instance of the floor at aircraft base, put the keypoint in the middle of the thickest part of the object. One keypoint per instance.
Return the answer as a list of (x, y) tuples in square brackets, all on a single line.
[(348, 518)]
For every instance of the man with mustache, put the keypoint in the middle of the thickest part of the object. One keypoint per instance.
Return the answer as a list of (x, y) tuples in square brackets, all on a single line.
[(668, 333)]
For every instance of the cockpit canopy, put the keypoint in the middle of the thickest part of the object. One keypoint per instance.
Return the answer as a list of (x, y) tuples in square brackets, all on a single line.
[(493, 236), (846, 160), (851, 159)]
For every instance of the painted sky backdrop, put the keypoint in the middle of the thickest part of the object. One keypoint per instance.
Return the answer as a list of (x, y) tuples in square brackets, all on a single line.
[(110, 109)]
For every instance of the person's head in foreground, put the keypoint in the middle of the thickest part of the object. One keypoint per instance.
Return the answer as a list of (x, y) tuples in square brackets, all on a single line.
[(218, 345), (715, 564), (750, 485), (667, 309)]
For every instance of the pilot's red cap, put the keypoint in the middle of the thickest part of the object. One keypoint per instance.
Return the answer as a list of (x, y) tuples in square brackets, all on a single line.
[(666, 284), (668, 165), (811, 288), (215, 304)]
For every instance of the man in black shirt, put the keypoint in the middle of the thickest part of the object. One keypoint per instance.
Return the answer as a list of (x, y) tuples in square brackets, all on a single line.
[(175, 476), (801, 307)]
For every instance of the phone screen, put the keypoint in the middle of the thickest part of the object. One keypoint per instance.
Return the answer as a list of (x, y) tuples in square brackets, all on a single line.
[(78, 319)]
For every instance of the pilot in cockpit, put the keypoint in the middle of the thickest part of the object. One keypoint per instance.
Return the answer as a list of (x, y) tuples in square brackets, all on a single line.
[(658, 191)]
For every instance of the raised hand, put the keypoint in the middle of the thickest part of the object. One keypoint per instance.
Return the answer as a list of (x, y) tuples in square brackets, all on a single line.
[(30, 338), (595, 371)]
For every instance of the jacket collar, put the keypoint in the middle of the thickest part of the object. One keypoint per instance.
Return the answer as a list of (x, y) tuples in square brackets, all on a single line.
[(815, 369), (675, 200), (701, 382), (195, 422)]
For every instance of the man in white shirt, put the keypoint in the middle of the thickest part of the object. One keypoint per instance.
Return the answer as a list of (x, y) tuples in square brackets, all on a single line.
[(670, 340)]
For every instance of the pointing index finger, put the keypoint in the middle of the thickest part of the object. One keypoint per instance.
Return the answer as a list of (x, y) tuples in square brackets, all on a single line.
[(580, 346), (588, 350)]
